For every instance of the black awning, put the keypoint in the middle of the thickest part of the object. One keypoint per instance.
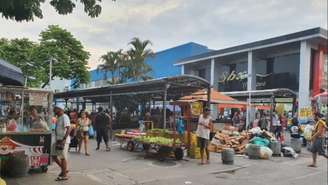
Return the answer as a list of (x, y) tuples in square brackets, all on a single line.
[(176, 87), (278, 93), (10, 74)]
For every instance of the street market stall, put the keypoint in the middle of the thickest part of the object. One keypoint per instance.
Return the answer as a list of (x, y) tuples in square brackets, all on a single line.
[(147, 96), (192, 106), (24, 144)]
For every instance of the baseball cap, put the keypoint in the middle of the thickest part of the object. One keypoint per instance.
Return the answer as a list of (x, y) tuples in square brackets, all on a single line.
[(59, 106)]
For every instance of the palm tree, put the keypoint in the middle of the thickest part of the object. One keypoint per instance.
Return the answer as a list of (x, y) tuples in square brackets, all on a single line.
[(110, 64), (138, 69)]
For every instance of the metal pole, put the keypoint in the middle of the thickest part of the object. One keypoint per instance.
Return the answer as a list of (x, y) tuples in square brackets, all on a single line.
[(209, 96), (248, 111), (164, 105), (50, 72), (111, 114)]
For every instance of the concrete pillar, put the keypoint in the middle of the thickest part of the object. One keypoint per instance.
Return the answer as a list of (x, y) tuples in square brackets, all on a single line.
[(214, 111), (212, 72), (251, 85), (182, 70), (251, 73), (304, 78)]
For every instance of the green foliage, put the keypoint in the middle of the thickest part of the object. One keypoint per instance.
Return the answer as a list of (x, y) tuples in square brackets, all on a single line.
[(67, 53), (129, 65), (71, 59), (124, 66), (27, 10)]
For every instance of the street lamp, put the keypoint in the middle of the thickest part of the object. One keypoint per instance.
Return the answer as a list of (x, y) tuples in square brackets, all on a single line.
[(50, 69)]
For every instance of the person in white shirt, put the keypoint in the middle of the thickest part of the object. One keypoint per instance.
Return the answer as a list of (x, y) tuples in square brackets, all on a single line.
[(203, 134), (62, 141)]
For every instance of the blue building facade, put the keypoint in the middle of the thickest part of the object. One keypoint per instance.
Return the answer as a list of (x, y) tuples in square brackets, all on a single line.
[(162, 63)]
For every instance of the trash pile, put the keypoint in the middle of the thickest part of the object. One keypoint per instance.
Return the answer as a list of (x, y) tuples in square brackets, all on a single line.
[(256, 143), (229, 139)]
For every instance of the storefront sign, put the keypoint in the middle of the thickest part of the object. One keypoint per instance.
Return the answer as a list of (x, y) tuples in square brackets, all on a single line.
[(237, 81), (283, 100), (38, 99), (239, 76), (261, 100)]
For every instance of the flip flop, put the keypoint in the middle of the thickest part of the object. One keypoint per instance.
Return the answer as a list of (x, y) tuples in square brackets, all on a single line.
[(312, 166), (61, 173), (60, 178)]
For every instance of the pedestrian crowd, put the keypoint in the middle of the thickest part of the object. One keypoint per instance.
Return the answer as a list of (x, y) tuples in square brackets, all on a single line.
[(72, 130)]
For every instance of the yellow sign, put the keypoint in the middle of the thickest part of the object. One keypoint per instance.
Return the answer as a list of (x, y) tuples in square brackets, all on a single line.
[(196, 108), (305, 112)]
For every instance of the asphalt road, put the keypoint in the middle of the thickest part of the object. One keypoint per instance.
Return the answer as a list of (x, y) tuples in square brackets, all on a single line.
[(120, 167)]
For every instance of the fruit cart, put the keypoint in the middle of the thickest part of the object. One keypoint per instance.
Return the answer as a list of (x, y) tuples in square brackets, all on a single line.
[(161, 143), (126, 139)]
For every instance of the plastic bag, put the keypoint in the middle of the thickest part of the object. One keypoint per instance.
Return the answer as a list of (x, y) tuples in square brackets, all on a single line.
[(289, 152), (265, 153), (256, 131), (91, 131), (260, 141), (308, 129)]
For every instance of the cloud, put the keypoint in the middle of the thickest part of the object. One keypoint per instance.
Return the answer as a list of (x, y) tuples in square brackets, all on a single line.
[(168, 23)]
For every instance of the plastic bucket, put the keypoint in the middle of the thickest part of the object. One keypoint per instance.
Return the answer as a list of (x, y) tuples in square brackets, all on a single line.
[(227, 156)]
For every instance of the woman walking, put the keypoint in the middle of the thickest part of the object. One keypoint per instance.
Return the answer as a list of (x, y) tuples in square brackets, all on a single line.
[(84, 123)]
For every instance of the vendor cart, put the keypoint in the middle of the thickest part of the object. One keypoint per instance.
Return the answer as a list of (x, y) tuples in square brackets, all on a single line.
[(18, 134), (158, 149), (127, 139)]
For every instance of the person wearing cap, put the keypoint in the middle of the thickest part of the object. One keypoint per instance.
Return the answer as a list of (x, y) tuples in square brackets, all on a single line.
[(203, 133), (62, 131), (317, 139)]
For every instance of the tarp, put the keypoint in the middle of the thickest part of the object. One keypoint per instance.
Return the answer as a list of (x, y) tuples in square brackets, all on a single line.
[(216, 98), (262, 107), (10, 74)]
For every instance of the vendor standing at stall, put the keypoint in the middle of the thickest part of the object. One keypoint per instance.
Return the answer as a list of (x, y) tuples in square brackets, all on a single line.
[(37, 123), (62, 131), (203, 134), (12, 120)]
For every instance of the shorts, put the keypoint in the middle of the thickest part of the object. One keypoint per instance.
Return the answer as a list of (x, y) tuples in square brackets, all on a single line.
[(85, 134), (202, 143), (62, 154), (317, 146)]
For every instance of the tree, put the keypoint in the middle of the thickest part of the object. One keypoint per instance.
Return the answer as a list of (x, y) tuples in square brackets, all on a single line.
[(68, 55), (21, 53), (27, 10), (138, 69), (111, 64), (71, 59)]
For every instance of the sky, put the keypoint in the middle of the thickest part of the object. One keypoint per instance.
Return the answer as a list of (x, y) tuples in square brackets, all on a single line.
[(167, 23)]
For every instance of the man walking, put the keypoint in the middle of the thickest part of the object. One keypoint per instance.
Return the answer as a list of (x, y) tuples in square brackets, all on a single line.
[(317, 139), (62, 131), (102, 126)]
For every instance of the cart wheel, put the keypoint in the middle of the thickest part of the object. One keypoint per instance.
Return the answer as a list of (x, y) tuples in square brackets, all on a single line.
[(145, 147), (178, 153), (130, 146), (164, 152), (44, 169)]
